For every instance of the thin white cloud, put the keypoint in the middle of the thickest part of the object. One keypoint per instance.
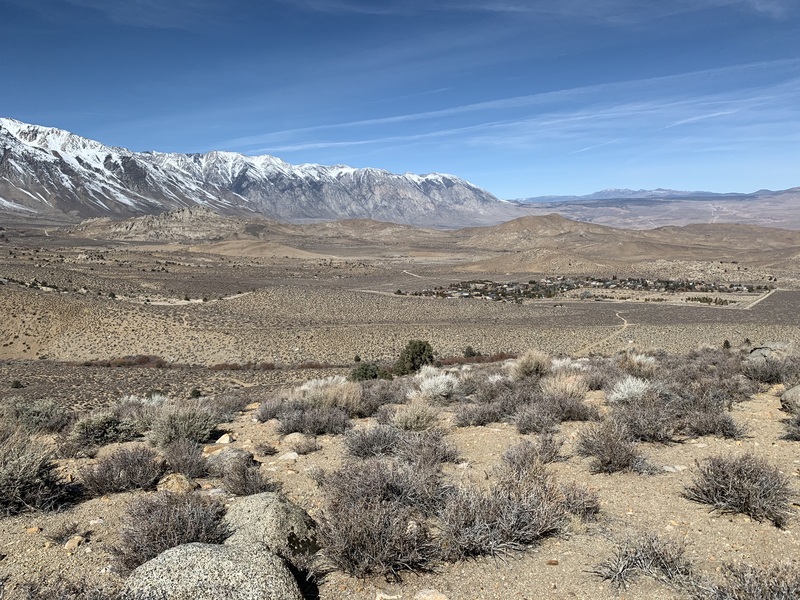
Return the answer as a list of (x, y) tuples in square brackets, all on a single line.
[(585, 93), (172, 14)]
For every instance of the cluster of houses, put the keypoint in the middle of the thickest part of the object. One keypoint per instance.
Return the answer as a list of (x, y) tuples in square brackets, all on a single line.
[(581, 287)]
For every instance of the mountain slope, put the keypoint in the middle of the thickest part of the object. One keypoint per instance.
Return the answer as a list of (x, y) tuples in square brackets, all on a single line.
[(54, 173)]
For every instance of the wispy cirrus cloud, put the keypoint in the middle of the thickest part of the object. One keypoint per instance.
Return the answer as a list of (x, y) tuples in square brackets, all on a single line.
[(610, 11), (548, 101), (172, 14)]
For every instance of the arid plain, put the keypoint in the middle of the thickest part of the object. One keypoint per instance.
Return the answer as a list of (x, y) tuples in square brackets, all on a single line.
[(247, 308)]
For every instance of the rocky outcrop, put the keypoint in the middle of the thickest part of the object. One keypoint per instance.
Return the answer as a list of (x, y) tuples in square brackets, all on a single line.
[(210, 572)]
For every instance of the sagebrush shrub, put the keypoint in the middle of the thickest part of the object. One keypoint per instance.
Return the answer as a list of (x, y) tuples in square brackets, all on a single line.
[(28, 476), (580, 501), (651, 418), (42, 415), (537, 418), (609, 444), (314, 421), (163, 520), (244, 479), (533, 363), (191, 421), (185, 456), (628, 390), (100, 429), (60, 588), (473, 415), (523, 508), (379, 440), (416, 416), (137, 467), (436, 388), (744, 484)]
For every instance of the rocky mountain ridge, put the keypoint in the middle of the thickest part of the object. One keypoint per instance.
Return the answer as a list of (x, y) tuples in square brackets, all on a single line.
[(48, 172)]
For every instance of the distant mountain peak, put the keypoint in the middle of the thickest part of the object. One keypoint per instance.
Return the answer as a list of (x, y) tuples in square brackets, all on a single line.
[(57, 173)]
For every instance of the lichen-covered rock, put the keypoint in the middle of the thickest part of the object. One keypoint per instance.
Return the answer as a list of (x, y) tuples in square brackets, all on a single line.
[(220, 461), (274, 521), (790, 400), (210, 572)]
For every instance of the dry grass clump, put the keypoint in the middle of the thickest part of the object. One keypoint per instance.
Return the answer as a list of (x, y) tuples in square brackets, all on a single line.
[(646, 553), (28, 477), (637, 364), (185, 456), (416, 416), (612, 450), (137, 467), (533, 363), (580, 501), (745, 582), (744, 484), (161, 521)]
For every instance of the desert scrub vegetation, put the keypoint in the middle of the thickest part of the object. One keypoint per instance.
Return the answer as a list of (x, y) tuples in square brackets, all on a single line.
[(434, 386), (745, 484), (611, 448), (644, 553), (43, 415), (533, 363), (186, 457), (28, 476), (242, 478), (415, 355), (163, 520), (744, 582), (61, 588), (136, 467)]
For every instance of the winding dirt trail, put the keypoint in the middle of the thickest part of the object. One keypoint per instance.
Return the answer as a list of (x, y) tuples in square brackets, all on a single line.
[(622, 328)]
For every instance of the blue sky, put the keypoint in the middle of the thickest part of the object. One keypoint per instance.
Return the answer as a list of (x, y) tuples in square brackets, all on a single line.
[(523, 98)]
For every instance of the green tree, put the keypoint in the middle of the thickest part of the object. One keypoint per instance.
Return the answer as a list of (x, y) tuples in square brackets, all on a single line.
[(416, 354)]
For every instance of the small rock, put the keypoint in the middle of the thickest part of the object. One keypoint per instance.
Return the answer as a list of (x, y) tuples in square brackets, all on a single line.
[(669, 469), (97, 521), (177, 483), (289, 456), (73, 543), (33, 530), (252, 406), (225, 439), (552, 562), (429, 595), (790, 400), (212, 449), (221, 461), (680, 468), (382, 596)]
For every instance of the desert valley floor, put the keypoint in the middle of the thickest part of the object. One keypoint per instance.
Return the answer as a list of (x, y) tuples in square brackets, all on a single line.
[(225, 306)]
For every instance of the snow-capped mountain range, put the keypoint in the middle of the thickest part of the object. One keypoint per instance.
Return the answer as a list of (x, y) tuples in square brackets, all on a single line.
[(48, 172)]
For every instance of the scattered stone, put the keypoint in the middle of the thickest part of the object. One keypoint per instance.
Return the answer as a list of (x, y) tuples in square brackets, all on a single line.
[(221, 461), (769, 351), (209, 572), (429, 595), (177, 483), (212, 448), (289, 456), (790, 400), (552, 562), (33, 530), (225, 439), (97, 521), (73, 543), (252, 406), (274, 521)]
